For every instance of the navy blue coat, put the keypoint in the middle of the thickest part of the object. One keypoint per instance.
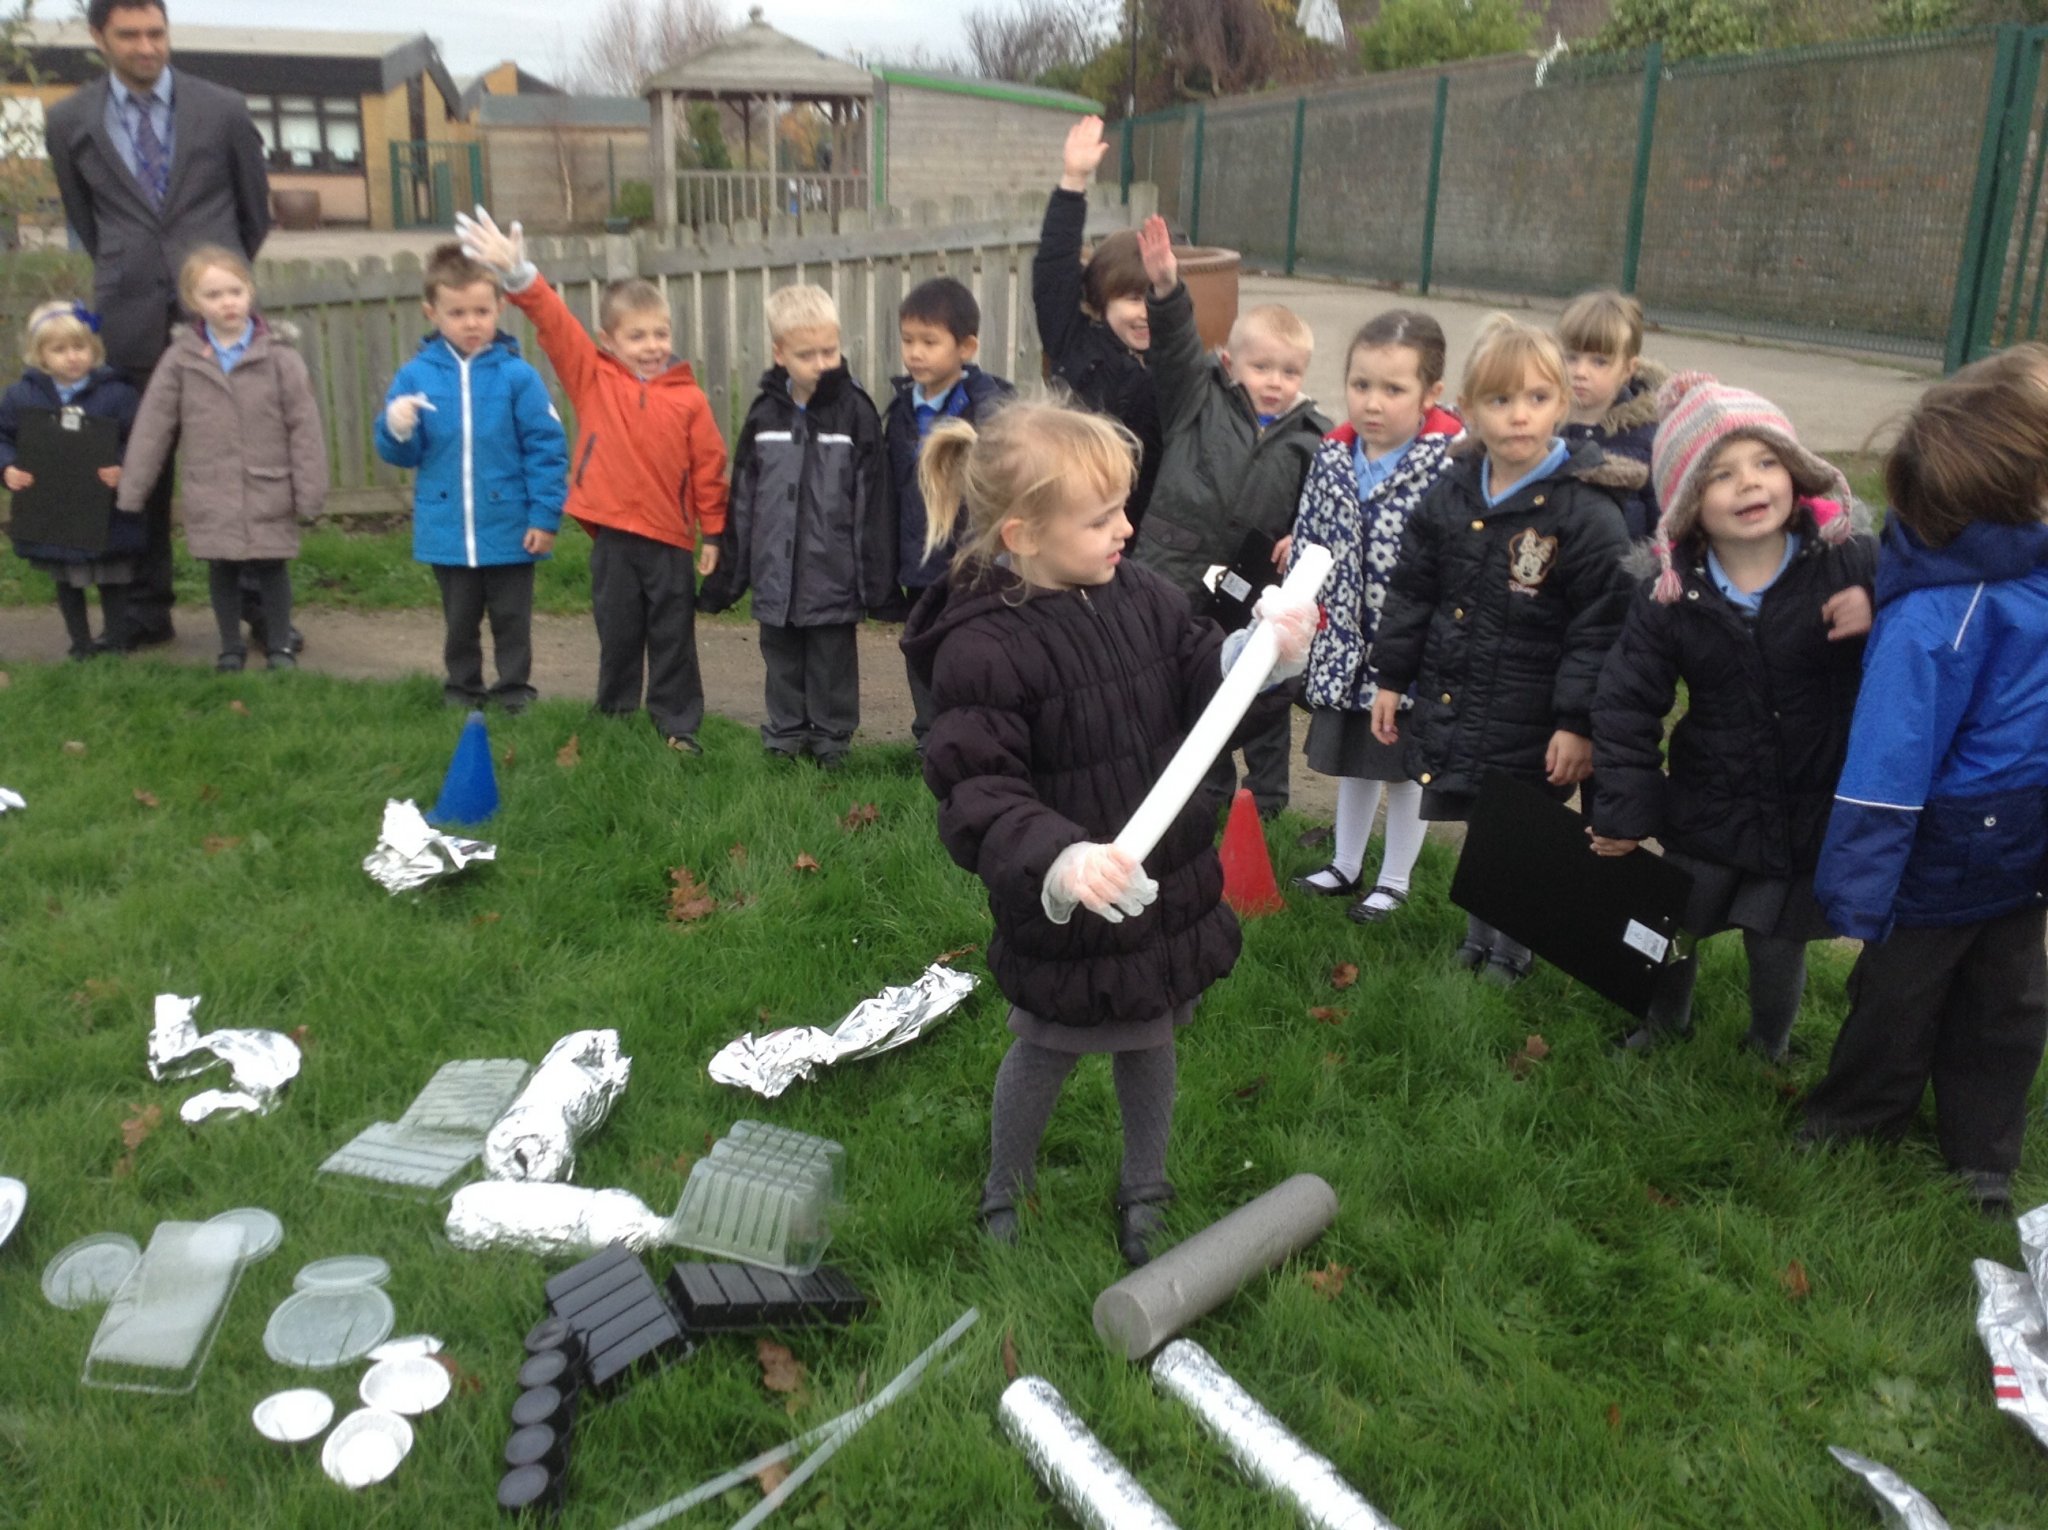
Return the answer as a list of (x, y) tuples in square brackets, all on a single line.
[(108, 395), (1941, 817), (974, 393)]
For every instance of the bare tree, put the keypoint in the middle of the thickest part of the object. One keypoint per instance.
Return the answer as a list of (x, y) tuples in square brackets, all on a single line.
[(1216, 47), (629, 40), (1025, 39)]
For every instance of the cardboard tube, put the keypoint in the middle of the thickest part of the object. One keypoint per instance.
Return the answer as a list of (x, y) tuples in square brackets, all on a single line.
[(1150, 1305), (1220, 718)]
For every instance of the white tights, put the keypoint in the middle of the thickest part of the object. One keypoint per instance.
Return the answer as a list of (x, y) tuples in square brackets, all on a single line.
[(1358, 803)]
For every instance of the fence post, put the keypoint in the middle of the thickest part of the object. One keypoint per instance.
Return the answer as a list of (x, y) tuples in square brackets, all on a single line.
[(1964, 316), (398, 217), (1639, 188), (1195, 201), (1436, 171), (2012, 156), (1126, 165), (476, 173), (1294, 186)]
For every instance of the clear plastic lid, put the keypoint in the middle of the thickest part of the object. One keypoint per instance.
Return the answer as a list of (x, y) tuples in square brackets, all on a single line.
[(342, 1271), (261, 1231), (90, 1271), (320, 1329), (13, 1202)]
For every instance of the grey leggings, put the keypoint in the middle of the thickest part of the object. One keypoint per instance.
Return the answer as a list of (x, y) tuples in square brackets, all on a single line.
[(1028, 1086), (273, 581), (1777, 980)]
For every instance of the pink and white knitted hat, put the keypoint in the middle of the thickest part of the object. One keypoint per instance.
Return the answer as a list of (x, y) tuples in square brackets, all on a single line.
[(1698, 416)]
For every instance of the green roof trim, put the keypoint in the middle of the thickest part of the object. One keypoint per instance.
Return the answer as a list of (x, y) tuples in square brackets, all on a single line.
[(990, 90)]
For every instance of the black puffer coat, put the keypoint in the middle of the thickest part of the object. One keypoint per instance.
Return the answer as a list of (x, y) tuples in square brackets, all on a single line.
[(1104, 373), (1504, 617), (1754, 760), (1057, 710)]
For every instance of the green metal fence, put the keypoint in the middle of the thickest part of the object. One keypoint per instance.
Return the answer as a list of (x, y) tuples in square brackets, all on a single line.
[(1885, 195)]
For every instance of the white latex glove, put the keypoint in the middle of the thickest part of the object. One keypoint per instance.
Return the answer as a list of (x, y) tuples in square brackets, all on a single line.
[(1100, 878), (488, 245), (402, 414)]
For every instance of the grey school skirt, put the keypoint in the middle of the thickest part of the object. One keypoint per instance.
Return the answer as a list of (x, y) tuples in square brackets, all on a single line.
[(1341, 744)]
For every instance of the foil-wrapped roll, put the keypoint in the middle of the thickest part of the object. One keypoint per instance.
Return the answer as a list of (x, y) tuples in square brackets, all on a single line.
[(1904, 1506), (549, 1219), (1260, 1443), (2033, 1231), (411, 853), (261, 1062), (2014, 1329), (770, 1064), (1079, 1469), (568, 1097), (11, 801)]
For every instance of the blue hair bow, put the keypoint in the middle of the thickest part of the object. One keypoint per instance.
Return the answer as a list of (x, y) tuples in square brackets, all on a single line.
[(86, 316)]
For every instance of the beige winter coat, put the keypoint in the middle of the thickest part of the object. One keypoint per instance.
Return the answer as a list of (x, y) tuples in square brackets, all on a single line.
[(252, 455)]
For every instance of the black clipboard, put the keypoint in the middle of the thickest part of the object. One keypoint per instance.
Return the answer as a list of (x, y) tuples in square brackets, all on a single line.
[(1239, 585), (1528, 870), (64, 449)]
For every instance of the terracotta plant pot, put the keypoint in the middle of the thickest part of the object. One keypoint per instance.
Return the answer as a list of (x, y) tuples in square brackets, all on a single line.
[(1211, 276), (296, 209)]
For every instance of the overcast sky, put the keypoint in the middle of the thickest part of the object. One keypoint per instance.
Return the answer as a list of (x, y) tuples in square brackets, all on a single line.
[(475, 34)]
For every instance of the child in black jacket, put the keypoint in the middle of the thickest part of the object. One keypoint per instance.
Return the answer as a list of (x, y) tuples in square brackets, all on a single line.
[(1508, 592), (1760, 612), (1092, 319), (811, 527), (67, 370)]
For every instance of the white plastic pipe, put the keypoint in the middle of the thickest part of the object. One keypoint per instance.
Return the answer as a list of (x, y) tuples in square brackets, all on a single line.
[(1220, 718)]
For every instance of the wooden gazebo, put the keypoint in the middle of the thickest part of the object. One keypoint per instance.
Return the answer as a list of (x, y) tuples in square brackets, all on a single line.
[(755, 73)]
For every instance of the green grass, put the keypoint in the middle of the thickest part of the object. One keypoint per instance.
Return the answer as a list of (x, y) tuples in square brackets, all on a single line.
[(1565, 1303)]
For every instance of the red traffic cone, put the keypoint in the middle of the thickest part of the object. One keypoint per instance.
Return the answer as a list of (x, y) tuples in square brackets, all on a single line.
[(1248, 884)]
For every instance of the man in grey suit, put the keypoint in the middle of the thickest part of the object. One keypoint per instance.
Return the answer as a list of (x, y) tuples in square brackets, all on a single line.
[(150, 165)]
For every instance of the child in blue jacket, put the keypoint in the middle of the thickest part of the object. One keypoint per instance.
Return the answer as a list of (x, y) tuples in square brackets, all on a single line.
[(475, 422), (1935, 851)]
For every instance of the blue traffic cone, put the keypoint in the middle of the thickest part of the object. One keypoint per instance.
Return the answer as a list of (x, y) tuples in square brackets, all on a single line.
[(469, 792)]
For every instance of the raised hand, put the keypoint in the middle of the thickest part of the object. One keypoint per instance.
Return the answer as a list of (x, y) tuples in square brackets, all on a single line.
[(1083, 153), (1155, 245), (488, 245)]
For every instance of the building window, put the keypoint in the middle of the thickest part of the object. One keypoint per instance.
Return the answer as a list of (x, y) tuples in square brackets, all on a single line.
[(310, 132)]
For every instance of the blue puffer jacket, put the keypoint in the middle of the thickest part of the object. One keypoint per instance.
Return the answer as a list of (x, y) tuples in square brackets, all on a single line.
[(491, 457), (106, 394), (1941, 817)]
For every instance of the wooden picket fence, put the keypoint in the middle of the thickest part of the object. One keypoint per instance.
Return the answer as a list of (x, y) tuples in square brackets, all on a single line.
[(358, 323)]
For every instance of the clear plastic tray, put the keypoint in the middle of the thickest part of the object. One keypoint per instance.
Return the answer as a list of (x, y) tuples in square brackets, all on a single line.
[(430, 1149), (465, 1098), (159, 1327), (773, 1217), (778, 1145)]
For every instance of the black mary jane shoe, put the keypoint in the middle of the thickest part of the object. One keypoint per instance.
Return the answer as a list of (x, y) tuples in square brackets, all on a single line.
[(1345, 889), (1363, 912)]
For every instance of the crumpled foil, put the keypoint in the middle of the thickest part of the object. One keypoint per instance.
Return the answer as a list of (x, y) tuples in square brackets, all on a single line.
[(262, 1062), (411, 854), (1904, 1506), (770, 1064), (11, 801), (568, 1097), (2033, 1231), (2014, 1329), (550, 1219), (1260, 1443), (1079, 1469)]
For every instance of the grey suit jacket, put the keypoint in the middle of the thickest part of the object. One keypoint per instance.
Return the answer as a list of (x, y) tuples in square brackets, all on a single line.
[(219, 194)]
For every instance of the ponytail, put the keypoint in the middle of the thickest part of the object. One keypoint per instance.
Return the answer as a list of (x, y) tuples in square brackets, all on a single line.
[(942, 479)]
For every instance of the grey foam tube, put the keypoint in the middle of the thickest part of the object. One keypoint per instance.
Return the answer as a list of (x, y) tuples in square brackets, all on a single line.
[(1152, 1304)]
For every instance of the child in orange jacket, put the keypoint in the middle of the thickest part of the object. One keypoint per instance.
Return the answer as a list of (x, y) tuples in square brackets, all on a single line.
[(646, 480)]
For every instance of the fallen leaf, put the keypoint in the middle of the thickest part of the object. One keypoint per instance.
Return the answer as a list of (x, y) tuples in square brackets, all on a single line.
[(1534, 1050), (147, 799), (688, 901), (74, 747), (1326, 1014), (1614, 1417), (1328, 1282), (1657, 1197), (239, 707), (1011, 1370), (302, 1037), (1343, 975), (860, 817), (213, 844), (134, 1132), (1254, 1089), (945, 958), (737, 854), (466, 1385), (488, 918), (511, 755), (1315, 839), (570, 755), (209, 794), (781, 1372), (1794, 1280), (771, 1477), (804, 862), (761, 1014)]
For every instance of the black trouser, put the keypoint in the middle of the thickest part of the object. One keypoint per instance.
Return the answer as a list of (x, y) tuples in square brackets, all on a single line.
[(1266, 739), (224, 585), (812, 690), (1965, 1006), (505, 593), (643, 594)]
